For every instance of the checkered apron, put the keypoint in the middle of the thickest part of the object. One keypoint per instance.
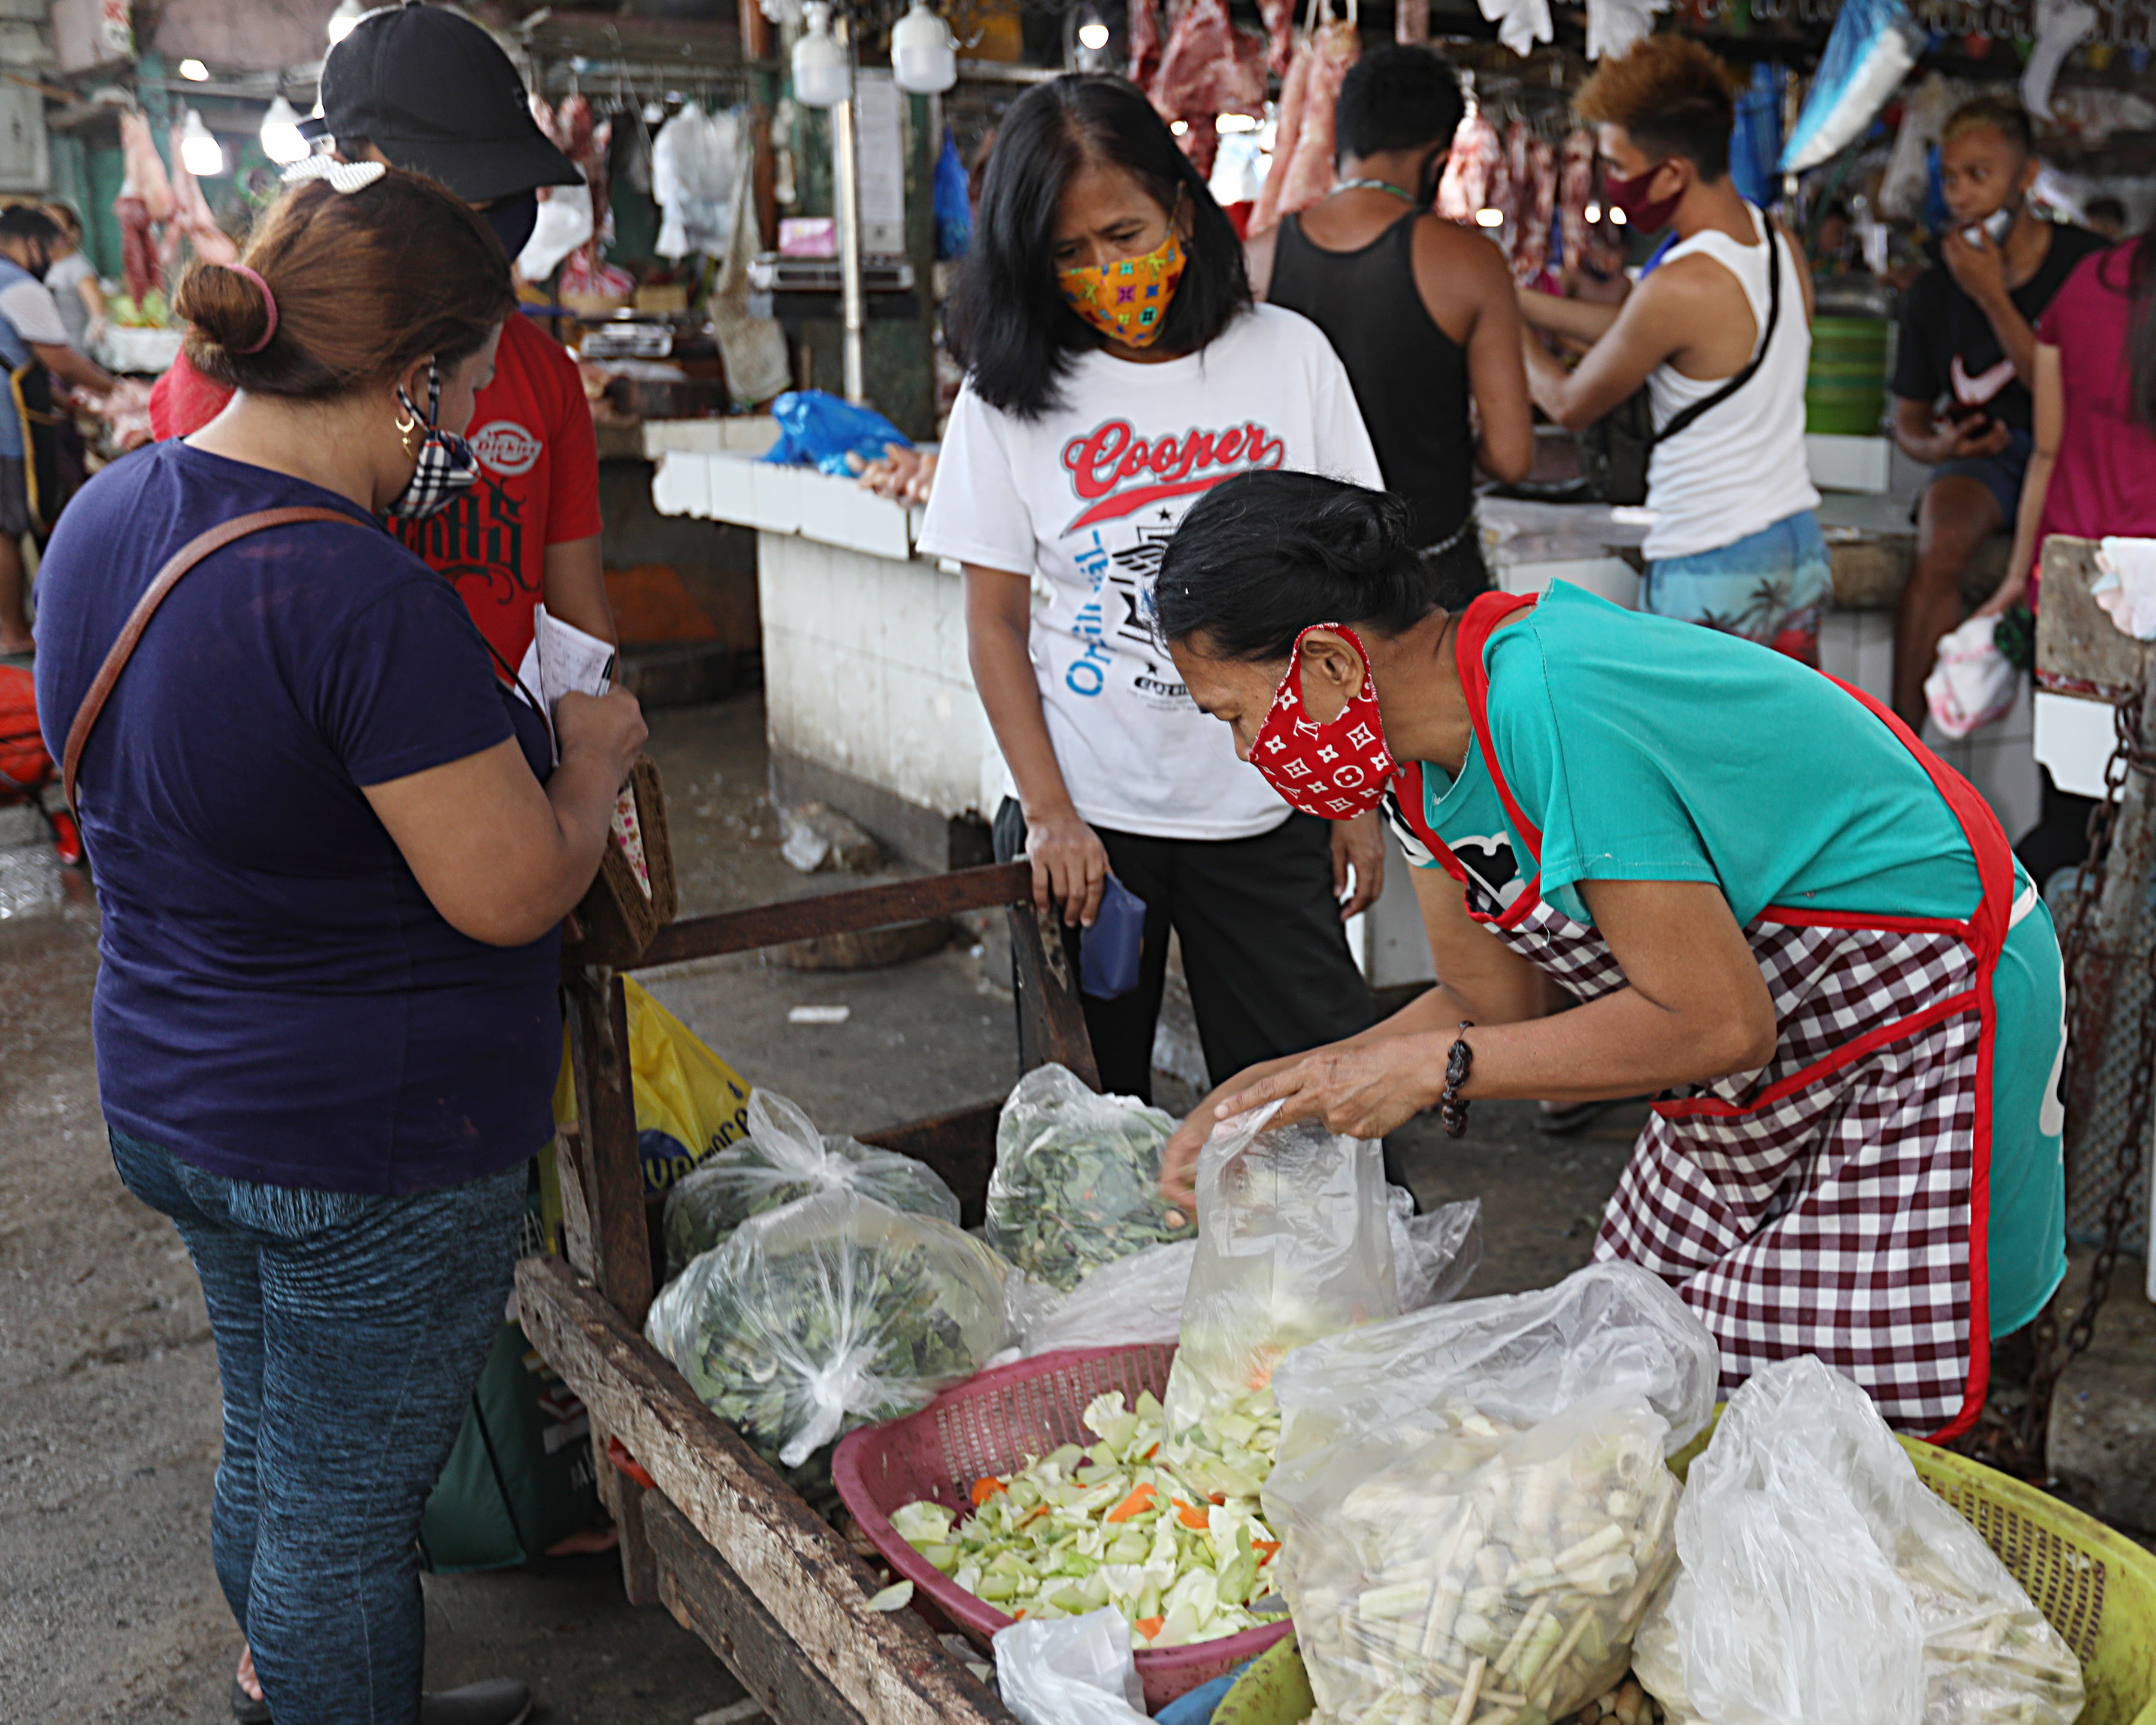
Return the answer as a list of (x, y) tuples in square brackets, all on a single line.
[(1833, 1202)]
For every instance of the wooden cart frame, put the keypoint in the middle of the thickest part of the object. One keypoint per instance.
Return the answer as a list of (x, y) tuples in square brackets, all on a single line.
[(718, 1537)]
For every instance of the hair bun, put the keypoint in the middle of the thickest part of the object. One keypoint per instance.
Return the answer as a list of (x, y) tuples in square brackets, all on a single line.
[(227, 308)]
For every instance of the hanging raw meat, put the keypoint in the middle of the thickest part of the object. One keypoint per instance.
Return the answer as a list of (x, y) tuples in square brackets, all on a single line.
[(192, 220), (1209, 68), (1477, 154), (145, 199), (1575, 189), (586, 141), (1145, 42), (1411, 21), (1295, 90), (1310, 171), (1536, 193), (1279, 32)]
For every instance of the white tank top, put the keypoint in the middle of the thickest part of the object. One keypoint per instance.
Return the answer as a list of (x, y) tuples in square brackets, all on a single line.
[(1740, 466)]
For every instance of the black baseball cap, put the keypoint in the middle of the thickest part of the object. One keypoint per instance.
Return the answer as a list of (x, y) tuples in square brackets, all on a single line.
[(434, 93)]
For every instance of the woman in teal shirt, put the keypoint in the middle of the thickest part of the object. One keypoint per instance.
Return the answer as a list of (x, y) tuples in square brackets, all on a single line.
[(1777, 910)]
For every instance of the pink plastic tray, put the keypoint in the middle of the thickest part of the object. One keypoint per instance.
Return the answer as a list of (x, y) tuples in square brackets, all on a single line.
[(990, 1424)]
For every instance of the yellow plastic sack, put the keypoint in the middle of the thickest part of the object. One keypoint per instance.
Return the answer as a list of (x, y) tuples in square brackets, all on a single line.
[(689, 1101)]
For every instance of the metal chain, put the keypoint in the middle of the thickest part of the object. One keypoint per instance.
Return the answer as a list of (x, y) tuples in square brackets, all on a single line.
[(2053, 1353)]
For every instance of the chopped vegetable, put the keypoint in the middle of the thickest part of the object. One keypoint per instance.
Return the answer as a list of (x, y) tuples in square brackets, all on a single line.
[(831, 1312), (1077, 1529), (1077, 1180), (895, 1598)]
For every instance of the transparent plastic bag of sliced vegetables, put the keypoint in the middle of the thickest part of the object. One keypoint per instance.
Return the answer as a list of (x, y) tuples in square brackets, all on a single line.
[(828, 1314), (1295, 1241), (1077, 1179), (1474, 1499), (1821, 1578), (784, 1158)]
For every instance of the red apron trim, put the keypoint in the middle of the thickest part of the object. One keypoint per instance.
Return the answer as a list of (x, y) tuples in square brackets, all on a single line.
[(1879, 1036), (1790, 918), (1476, 625)]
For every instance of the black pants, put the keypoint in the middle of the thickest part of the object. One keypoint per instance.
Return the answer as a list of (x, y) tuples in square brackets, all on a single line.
[(1263, 948), (2060, 838)]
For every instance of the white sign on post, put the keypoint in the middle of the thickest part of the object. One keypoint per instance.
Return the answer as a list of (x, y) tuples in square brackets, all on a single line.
[(881, 145)]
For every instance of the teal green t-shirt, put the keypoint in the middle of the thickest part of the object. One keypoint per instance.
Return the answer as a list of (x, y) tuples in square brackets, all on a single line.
[(1649, 749)]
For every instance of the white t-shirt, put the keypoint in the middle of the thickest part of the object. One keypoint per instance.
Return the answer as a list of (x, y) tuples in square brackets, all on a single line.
[(1086, 497), (28, 306)]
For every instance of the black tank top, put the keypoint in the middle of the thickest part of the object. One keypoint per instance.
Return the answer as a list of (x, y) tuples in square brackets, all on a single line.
[(1410, 378)]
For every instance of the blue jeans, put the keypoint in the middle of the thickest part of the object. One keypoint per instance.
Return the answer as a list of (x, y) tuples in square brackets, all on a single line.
[(350, 1331), (1770, 587)]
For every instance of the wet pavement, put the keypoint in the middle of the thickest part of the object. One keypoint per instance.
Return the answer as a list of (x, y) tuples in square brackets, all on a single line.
[(109, 1608)]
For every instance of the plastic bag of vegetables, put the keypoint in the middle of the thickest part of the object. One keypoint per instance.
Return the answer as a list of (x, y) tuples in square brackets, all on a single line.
[(1294, 1242), (828, 1314), (1820, 1579), (784, 1158), (1474, 1501), (1077, 1179)]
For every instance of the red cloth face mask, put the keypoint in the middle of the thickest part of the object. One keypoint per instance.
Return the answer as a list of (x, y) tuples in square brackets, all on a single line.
[(1335, 769), (1627, 195)]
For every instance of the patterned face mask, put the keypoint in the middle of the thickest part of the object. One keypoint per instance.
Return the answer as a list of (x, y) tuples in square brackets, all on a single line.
[(1127, 299), (446, 463), (1334, 768)]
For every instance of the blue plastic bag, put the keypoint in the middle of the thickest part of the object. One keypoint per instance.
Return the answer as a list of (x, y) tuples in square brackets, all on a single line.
[(1108, 952), (954, 210), (1755, 141), (1870, 50), (818, 429)]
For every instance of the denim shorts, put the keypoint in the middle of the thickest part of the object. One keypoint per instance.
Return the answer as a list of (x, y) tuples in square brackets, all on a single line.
[(2001, 475)]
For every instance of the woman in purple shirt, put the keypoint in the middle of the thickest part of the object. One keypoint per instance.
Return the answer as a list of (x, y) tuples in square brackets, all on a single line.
[(331, 855)]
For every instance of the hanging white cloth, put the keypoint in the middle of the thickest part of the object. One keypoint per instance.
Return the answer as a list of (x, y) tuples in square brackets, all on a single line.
[(1521, 24), (754, 348), (1614, 26)]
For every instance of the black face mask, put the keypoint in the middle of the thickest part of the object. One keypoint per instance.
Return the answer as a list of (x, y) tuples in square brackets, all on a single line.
[(39, 262), (513, 219)]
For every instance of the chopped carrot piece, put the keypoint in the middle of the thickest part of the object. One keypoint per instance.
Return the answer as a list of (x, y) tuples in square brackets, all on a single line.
[(1152, 1452), (1216, 1497), (1189, 1515), (1040, 1511), (1150, 1626), (1137, 1504), (1268, 1547), (984, 1489), (1018, 1613)]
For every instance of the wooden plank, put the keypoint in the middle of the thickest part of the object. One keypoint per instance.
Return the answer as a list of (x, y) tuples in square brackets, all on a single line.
[(623, 1499), (1051, 1023), (2079, 649), (888, 1666), (960, 1146), (611, 1169), (839, 913), (579, 1231), (709, 1601)]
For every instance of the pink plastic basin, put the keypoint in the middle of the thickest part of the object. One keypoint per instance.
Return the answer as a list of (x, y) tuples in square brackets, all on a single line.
[(990, 1424)]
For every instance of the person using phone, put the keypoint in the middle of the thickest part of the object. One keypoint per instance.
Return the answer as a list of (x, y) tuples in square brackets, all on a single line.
[(1966, 356)]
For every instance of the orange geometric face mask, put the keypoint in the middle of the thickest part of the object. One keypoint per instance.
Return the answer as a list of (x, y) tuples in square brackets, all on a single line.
[(1127, 299)]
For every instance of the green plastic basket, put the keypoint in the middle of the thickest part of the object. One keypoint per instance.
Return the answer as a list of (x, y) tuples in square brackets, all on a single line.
[(2097, 1588)]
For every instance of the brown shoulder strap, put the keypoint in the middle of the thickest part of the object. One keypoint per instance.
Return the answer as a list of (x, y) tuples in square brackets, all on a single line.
[(181, 561)]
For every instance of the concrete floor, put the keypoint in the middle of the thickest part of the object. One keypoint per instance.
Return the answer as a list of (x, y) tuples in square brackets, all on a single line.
[(109, 1609)]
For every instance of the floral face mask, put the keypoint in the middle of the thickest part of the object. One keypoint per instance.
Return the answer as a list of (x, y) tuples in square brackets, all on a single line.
[(1127, 299)]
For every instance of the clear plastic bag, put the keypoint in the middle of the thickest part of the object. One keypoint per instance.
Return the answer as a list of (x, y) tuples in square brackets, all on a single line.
[(1069, 1670), (783, 1159), (831, 1312), (1077, 1179), (1474, 1498), (1434, 1254), (1822, 1579), (1295, 1241)]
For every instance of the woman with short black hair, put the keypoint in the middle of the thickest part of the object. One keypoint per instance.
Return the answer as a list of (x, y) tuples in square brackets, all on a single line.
[(1776, 908), (1116, 370)]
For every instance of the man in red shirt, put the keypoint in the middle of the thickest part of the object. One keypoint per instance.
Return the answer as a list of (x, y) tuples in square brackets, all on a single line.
[(420, 87)]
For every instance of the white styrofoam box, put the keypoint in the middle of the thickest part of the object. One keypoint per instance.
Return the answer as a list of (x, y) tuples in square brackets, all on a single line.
[(2074, 738), (731, 478), (746, 433), (1840, 463), (774, 497), (837, 510), (680, 484), (1610, 578)]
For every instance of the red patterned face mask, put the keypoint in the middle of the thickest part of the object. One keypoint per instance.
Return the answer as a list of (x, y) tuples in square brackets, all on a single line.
[(1334, 768)]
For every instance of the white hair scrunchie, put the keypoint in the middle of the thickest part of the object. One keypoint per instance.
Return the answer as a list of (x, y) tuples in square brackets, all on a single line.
[(345, 176)]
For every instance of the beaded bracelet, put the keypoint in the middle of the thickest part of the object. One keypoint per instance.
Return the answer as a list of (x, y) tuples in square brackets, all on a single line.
[(1452, 1107)]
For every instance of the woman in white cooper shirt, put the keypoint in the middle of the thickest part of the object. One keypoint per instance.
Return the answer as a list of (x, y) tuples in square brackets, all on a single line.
[(1117, 369)]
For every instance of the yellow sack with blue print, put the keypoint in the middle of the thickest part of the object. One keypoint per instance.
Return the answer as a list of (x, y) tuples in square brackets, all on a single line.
[(689, 1103)]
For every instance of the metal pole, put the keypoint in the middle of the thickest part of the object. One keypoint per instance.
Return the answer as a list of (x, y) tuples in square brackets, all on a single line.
[(846, 187)]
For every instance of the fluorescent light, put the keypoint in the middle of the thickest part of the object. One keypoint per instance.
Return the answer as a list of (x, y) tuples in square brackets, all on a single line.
[(1593, 213), (1617, 215), (194, 71), (1227, 123), (1178, 126), (200, 153), (1487, 217), (1093, 35), (348, 13)]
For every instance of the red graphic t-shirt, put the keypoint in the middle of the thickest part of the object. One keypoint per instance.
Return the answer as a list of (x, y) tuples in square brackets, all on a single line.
[(538, 480)]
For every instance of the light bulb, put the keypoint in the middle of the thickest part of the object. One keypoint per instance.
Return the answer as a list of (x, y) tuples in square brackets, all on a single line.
[(1617, 215), (348, 13), (1593, 214), (281, 142), (1228, 124), (200, 153), (1093, 34), (1487, 217), (822, 78), (194, 71), (924, 60), (1178, 126)]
